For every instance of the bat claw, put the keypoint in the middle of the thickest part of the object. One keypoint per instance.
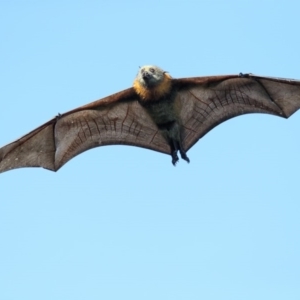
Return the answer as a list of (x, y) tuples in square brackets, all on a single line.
[(58, 116), (175, 158), (184, 156), (246, 75)]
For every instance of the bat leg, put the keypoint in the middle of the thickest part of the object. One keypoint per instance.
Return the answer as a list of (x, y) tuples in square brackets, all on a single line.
[(175, 147), (171, 131), (183, 153), (174, 150), (184, 156), (175, 158)]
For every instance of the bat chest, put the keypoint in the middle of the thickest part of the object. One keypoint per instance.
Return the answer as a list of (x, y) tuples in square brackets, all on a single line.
[(162, 112)]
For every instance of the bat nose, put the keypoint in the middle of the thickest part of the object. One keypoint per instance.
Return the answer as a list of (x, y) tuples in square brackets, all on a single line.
[(146, 75)]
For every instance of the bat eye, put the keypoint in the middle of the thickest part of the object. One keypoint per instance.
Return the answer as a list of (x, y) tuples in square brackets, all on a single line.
[(152, 70)]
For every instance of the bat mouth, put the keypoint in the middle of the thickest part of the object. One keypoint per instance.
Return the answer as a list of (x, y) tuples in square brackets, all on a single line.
[(148, 79), (146, 76)]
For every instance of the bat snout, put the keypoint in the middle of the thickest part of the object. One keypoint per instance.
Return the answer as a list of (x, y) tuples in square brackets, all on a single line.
[(146, 76)]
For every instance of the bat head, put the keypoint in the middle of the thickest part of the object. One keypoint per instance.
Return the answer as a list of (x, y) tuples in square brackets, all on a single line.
[(150, 76), (152, 82)]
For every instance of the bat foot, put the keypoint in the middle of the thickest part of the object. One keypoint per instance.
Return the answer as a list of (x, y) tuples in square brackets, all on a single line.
[(175, 158), (184, 156)]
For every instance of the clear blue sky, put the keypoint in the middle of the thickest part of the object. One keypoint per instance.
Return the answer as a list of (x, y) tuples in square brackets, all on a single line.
[(121, 222)]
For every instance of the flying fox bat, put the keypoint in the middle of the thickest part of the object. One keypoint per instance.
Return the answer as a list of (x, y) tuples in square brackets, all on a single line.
[(158, 113)]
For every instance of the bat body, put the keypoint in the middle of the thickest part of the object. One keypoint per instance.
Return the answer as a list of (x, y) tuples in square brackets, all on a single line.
[(158, 113), (159, 100)]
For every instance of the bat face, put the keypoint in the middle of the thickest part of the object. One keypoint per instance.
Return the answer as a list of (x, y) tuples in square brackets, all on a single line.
[(149, 76), (158, 113)]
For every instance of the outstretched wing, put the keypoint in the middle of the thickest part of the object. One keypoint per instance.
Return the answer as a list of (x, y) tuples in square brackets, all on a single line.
[(117, 119), (208, 101)]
